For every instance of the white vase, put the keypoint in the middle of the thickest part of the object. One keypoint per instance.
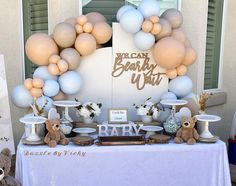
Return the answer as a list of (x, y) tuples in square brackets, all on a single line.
[(88, 120), (146, 119)]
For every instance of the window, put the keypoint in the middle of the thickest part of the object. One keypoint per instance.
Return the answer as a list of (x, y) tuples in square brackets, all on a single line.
[(213, 43), (35, 19)]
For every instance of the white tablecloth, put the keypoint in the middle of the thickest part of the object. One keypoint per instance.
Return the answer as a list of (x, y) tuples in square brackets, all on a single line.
[(148, 165)]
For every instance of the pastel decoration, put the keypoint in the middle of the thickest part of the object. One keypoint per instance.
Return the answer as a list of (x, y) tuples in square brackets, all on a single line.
[(28, 83), (164, 114), (172, 73), (156, 29), (165, 29), (181, 70), (53, 114), (62, 66), (37, 83), (147, 26), (70, 82), (54, 59), (190, 56), (169, 53), (79, 29), (85, 44), (64, 35), (88, 27), (39, 47), (59, 96), (72, 57), (181, 86), (53, 69), (178, 35), (43, 73), (149, 8), (51, 88), (131, 21), (169, 96), (71, 20), (102, 32), (144, 41), (122, 10), (95, 17), (183, 112), (174, 16), (36, 92), (81, 20), (41, 102), (154, 19), (21, 97)]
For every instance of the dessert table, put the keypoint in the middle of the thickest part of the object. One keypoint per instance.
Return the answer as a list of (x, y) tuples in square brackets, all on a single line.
[(158, 164)]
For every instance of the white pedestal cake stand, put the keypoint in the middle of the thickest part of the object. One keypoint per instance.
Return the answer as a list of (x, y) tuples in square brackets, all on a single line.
[(67, 104), (174, 103), (151, 130)]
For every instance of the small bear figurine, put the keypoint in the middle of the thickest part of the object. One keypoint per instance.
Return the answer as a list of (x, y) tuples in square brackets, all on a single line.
[(187, 133), (5, 167), (54, 135)]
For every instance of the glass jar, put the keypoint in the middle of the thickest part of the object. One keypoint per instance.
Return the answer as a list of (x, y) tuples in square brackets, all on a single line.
[(172, 124), (66, 126)]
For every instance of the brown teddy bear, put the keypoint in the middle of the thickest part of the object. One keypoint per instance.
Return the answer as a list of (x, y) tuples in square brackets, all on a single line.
[(5, 166), (187, 133), (54, 135)]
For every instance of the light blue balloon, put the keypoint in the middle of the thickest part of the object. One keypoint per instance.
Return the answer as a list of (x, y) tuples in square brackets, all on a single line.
[(149, 8), (43, 73), (143, 40), (21, 97), (122, 10), (168, 96), (181, 86), (42, 100), (164, 114), (70, 82), (51, 88), (131, 21)]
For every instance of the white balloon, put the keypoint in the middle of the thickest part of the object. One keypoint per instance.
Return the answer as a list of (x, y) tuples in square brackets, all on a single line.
[(149, 8), (181, 86), (70, 82), (131, 21), (21, 97), (183, 112), (42, 100), (143, 40), (43, 73), (51, 88), (122, 10)]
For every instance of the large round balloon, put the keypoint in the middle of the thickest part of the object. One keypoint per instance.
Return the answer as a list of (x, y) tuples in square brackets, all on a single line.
[(179, 35), (41, 102), (168, 96), (39, 47), (174, 16), (169, 53), (149, 8), (51, 88), (21, 97), (95, 17), (72, 57), (71, 20), (70, 82), (190, 56), (102, 32), (43, 73), (85, 44), (181, 86), (131, 21), (143, 40), (165, 29), (64, 35), (122, 10)]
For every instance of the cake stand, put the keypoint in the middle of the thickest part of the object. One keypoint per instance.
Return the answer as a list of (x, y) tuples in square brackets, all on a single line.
[(84, 131), (67, 104), (151, 130), (206, 134), (174, 103), (33, 121)]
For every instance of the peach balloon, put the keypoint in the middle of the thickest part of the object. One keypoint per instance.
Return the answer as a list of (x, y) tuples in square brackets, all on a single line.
[(36, 92), (72, 57), (82, 19), (62, 65), (95, 17), (54, 59), (156, 29), (85, 44), (174, 16), (39, 47), (79, 29), (53, 69), (59, 96), (154, 19), (102, 32), (187, 43), (190, 56), (71, 20), (88, 27), (28, 83), (168, 53), (165, 29), (178, 35), (64, 35), (171, 74), (181, 70), (37, 83), (147, 26)]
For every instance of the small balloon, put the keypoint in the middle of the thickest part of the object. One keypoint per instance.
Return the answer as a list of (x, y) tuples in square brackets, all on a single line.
[(28, 83), (144, 41), (36, 92), (54, 59), (102, 32), (181, 70), (88, 27), (149, 8), (82, 19), (53, 69), (174, 16), (122, 10), (168, 96), (190, 57), (37, 83), (172, 73), (165, 29), (154, 19), (156, 29), (43, 73), (79, 29), (51, 88), (85, 44), (95, 17), (72, 57), (147, 26), (62, 65)]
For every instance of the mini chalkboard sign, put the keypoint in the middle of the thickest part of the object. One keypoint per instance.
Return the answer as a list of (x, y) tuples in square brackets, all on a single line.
[(118, 116)]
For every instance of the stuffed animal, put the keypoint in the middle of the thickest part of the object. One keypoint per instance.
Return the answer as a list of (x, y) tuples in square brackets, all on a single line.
[(187, 133), (5, 166), (54, 135)]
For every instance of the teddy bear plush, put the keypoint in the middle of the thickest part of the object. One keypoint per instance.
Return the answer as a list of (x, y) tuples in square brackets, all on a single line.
[(5, 167), (187, 133), (54, 135)]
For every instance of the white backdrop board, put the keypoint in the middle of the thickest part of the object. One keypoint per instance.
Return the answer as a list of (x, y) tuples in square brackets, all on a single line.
[(6, 135), (121, 76)]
